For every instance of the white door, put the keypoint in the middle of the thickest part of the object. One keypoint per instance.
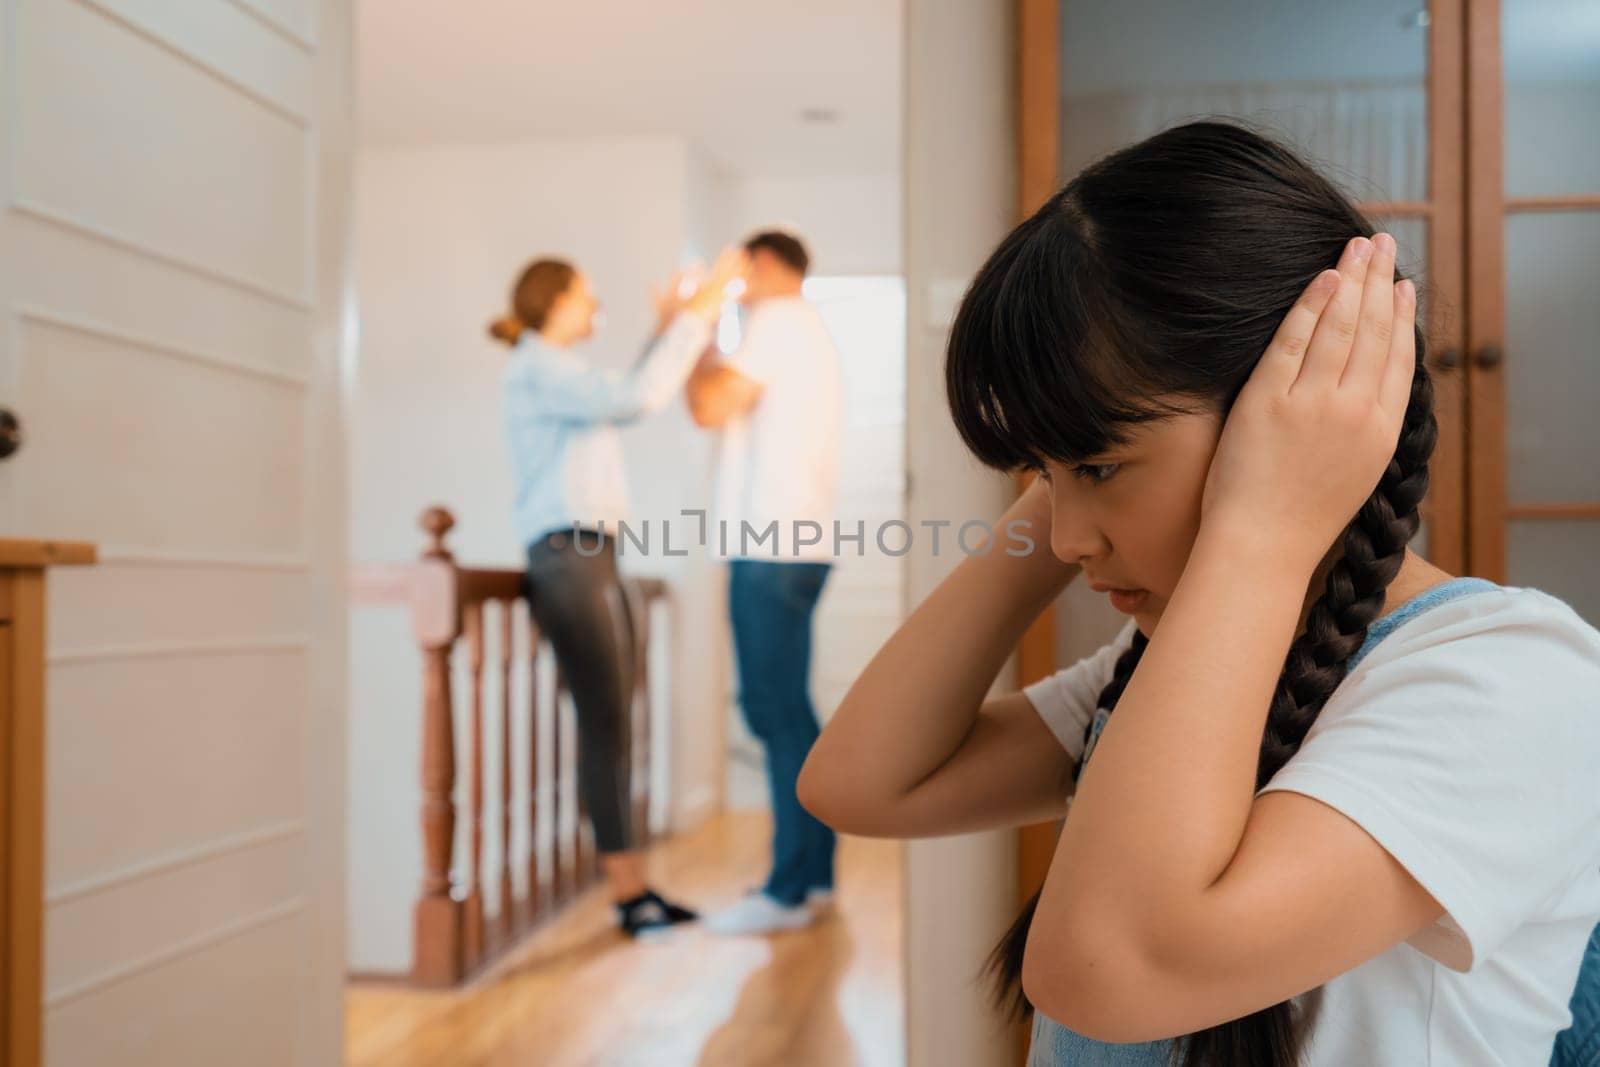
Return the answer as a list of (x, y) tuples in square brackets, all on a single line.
[(171, 275)]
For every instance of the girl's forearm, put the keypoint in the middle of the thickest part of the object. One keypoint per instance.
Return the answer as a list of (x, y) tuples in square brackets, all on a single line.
[(919, 697), (1160, 811)]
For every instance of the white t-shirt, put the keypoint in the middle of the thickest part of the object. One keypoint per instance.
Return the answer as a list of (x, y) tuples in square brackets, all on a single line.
[(779, 462), (1467, 743)]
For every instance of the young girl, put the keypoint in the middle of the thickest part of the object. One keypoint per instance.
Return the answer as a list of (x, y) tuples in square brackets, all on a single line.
[(1329, 805)]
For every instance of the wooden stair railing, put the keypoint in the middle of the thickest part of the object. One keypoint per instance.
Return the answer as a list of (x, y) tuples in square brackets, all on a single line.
[(453, 936), (22, 710)]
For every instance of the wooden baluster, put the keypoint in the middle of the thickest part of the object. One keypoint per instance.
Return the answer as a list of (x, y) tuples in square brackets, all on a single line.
[(472, 906), (640, 716), (533, 772), (436, 622), (507, 912), (558, 803)]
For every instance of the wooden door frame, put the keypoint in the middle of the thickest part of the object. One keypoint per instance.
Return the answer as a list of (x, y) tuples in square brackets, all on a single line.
[(1485, 243), (1038, 162), (1446, 505)]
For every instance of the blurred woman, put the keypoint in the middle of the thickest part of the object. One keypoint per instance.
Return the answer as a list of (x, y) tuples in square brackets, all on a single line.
[(560, 414)]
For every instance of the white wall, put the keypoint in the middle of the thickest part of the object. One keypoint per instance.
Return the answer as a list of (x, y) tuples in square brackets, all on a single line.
[(960, 200), (441, 232), (851, 223)]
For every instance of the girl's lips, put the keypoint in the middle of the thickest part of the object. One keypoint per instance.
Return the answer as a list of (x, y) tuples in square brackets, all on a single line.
[(1128, 601)]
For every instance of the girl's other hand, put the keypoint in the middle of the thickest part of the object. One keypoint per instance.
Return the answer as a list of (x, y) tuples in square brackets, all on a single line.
[(1317, 422)]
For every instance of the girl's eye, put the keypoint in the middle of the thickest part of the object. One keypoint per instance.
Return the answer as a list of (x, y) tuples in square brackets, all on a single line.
[(1095, 473)]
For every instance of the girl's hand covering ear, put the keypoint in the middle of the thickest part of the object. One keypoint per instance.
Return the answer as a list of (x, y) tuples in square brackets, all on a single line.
[(1317, 423)]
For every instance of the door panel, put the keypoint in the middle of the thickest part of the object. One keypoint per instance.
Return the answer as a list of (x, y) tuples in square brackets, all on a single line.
[(1558, 556), (1552, 365), (1356, 101), (1550, 50), (171, 267)]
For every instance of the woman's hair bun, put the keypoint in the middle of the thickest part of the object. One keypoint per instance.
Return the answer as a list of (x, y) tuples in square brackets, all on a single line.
[(507, 329)]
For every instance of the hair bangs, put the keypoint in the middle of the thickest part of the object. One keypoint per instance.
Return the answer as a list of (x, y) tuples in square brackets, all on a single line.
[(1032, 370)]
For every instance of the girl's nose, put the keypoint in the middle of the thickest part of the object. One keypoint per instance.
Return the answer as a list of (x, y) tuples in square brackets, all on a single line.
[(1074, 537)]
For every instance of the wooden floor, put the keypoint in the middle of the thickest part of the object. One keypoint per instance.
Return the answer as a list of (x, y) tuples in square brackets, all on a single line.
[(581, 995)]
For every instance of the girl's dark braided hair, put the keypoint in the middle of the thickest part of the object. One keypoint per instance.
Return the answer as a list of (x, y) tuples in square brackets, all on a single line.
[(1151, 285)]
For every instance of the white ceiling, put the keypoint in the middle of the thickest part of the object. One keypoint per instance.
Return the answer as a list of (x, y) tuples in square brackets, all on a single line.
[(733, 76)]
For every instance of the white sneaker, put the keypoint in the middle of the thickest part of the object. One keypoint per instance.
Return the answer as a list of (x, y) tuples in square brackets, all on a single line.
[(820, 899), (758, 914)]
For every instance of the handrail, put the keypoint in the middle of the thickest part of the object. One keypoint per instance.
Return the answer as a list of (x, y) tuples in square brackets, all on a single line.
[(452, 935)]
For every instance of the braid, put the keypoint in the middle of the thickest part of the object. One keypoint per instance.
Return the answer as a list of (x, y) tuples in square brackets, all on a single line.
[(1120, 675), (1374, 546)]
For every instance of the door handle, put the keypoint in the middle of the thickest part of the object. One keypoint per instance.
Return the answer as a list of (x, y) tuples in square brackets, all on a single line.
[(1488, 357), (10, 433)]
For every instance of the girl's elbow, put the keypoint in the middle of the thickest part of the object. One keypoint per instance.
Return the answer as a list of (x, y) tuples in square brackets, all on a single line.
[(1095, 993), (834, 807), (813, 793), (1088, 1011)]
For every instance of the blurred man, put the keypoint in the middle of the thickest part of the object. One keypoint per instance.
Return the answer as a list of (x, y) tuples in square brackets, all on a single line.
[(776, 401)]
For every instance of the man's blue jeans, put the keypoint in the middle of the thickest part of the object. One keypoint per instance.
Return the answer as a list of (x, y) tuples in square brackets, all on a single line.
[(770, 605), (1580, 1045)]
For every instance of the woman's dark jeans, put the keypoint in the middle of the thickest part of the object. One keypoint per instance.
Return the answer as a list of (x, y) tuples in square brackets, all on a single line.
[(579, 606)]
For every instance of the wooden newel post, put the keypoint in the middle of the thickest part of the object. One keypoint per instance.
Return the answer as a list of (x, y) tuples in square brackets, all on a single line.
[(23, 567), (437, 958)]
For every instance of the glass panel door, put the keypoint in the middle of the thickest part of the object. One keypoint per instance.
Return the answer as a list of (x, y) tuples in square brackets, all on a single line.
[(1535, 234)]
